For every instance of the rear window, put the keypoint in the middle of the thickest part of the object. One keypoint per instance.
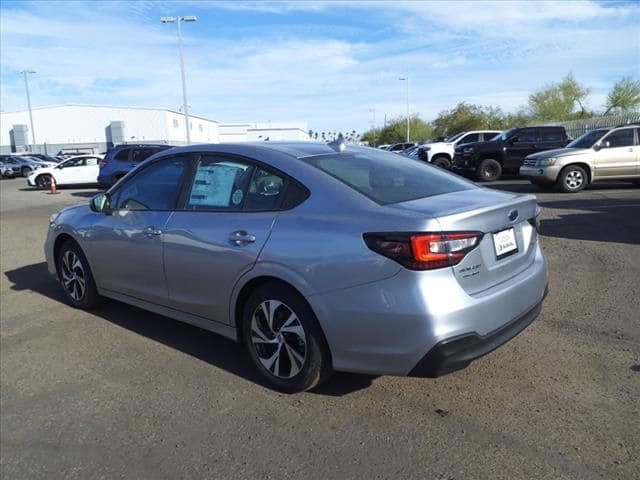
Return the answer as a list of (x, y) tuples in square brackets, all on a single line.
[(388, 178)]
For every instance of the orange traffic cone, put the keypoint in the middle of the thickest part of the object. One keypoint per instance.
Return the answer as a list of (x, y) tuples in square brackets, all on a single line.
[(53, 190)]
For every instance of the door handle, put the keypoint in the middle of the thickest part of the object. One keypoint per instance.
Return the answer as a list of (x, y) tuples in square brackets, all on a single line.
[(151, 232), (241, 238)]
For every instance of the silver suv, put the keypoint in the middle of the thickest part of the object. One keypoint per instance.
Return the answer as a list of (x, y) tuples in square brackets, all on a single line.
[(601, 154)]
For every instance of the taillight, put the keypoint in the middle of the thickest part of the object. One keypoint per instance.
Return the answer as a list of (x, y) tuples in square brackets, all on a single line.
[(103, 164), (423, 251)]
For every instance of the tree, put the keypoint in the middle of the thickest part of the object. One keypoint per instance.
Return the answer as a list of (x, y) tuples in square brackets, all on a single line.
[(396, 131), (558, 101), (624, 96)]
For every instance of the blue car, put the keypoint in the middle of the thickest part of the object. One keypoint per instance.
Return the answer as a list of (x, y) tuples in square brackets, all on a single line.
[(122, 158)]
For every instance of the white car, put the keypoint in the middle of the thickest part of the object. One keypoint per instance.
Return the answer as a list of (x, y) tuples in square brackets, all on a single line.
[(441, 153), (80, 170)]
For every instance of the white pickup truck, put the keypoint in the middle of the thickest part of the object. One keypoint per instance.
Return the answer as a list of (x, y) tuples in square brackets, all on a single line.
[(441, 153)]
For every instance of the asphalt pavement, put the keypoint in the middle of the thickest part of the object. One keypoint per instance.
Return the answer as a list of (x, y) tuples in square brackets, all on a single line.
[(122, 393)]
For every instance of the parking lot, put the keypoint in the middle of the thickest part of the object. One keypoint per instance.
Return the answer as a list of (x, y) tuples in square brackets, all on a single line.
[(123, 393)]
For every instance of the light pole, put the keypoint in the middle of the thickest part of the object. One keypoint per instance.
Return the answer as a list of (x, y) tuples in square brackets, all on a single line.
[(406, 79), (373, 111), (26, 87), (179, 20)]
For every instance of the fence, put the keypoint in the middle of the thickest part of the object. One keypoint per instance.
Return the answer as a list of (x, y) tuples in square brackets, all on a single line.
[(575, 128)]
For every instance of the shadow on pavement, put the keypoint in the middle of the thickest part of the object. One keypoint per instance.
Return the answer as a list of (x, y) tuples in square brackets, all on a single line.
[(202, 344), (595, 219)]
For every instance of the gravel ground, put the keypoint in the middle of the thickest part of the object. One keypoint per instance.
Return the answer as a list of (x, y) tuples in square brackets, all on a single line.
[(122, 393)]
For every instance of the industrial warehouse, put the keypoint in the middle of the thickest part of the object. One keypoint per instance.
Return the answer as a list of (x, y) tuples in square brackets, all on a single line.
[(72, 129)]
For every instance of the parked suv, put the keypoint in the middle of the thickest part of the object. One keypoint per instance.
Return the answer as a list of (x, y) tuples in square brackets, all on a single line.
[(122, 158), (602, 154), (506, 152), (441, 153)]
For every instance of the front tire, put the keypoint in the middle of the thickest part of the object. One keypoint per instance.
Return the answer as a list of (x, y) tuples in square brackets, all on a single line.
[(572, 179), (284, 340), (489, 170), (442, 162), (43, 182), (26, 171), (75, 276)]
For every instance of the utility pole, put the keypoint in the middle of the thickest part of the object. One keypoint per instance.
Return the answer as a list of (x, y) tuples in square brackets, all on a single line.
[(407, 80), (26, 87), (373, 111), (179, 20)]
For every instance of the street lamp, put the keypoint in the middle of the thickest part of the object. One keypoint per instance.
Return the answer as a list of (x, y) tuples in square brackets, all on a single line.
[(373, 111), (26, 87), (406, 79), (179, 20)]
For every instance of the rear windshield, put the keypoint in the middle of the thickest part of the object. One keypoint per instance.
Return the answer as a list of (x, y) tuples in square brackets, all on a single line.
[(387, 177)]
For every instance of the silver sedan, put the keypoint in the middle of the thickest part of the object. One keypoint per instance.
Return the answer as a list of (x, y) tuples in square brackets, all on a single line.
[(316, 257)]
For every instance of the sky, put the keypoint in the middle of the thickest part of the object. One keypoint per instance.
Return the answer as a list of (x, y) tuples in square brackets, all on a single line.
[(334, 65)]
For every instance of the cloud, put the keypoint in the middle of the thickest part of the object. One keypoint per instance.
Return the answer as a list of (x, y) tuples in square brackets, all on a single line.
[(313, 61)]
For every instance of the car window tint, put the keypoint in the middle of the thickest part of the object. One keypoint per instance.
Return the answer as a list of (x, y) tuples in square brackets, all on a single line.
[(265, 191), (219, 184), (489, 135), (620, 138), (153, 188), (76, 162), (388, 178), (527, 136), (551, 136), (472, 137), (141, 154), (122, 155)]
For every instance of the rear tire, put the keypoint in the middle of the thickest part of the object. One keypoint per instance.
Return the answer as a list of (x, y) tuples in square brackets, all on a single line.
[(284, 339), (26, 171), (43, 182), (572, 179), (75, 276), (489, 170), (442, 162)]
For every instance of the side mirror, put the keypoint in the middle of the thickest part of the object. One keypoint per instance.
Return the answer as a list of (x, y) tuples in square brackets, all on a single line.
[(100, 204), (601, 145)]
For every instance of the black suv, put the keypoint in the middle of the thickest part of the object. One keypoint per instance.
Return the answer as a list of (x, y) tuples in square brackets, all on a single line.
[(122, 158), (488, 160)]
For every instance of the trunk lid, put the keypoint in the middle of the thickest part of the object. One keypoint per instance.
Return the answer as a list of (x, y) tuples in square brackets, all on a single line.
[(489, 212)]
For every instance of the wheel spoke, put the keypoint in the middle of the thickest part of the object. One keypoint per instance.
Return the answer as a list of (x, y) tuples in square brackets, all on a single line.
[(257, 336), (292, 325), (268, 362), (295, 359)]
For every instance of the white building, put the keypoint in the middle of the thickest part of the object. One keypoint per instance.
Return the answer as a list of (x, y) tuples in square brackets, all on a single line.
[(97, 127), (256, 132)]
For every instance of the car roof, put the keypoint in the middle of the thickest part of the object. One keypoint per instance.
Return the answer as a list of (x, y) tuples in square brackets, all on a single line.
[(292, 149)]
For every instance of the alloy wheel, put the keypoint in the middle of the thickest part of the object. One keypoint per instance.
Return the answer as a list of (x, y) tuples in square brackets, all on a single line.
[(574, 179), (43, 181), (279, 339), (73, 275)]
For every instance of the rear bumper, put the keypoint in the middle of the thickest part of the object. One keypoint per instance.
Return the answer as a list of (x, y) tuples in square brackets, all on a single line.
[(457, 353), (389, 327)]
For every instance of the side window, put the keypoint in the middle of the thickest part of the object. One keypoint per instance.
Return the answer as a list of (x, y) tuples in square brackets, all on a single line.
[(76, 162), (551, 136), (265, 191), (527, 136), (123, 155), (140, 154), (489, 135), (219, 184), (472, 137), (620, 138), (223, 184), (153, 188), (91, 161)]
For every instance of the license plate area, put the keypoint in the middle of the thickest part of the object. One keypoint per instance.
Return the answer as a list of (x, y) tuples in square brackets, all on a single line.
[(504, 243)]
